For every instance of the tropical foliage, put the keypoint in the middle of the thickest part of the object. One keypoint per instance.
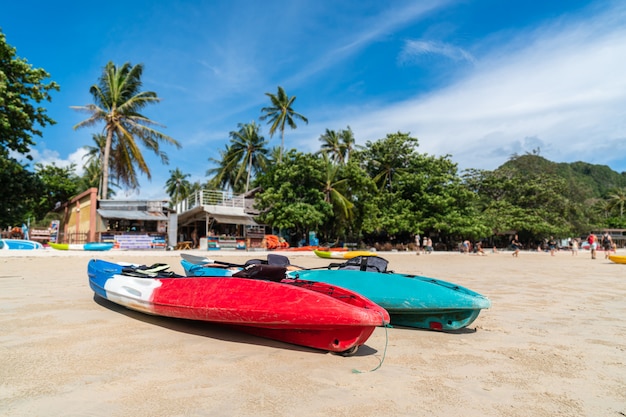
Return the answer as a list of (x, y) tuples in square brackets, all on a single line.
[(279, 113), (22, 89), (118, 100), (241, 160)]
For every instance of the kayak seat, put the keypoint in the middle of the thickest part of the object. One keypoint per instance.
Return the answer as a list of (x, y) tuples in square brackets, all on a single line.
[(266, 272), (365, 263), (152, 271)]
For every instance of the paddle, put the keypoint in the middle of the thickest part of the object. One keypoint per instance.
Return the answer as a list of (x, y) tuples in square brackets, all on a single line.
[(201, 260), (194, 259)]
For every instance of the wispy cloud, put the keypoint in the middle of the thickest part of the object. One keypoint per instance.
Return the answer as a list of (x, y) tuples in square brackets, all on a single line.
[(414, 49)]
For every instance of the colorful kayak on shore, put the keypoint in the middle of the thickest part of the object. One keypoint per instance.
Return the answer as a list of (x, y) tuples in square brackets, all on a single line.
[(263, 303), (90, 246), (342, 255), (618, 259), (19, 244), (411, 300)]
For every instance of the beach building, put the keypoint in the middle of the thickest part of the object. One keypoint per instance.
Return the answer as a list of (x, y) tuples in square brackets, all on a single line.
[(128, 224), (213, 220)]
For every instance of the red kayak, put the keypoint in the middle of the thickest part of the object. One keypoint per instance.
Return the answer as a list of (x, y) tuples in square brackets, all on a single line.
[(311, 314)]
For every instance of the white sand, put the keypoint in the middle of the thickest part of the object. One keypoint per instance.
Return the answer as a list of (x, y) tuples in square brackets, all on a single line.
[(553, 343)]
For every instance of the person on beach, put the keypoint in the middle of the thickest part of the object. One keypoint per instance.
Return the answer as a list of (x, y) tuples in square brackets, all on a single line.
[(429, 246), (552, 246), (607, 244), (479, 248), (593, 244), (417, 244), (573, 244), (516, 245), (194, 238)]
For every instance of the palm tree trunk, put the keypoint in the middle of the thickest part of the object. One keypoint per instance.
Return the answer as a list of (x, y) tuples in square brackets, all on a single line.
[(249, 170), (105, 165)]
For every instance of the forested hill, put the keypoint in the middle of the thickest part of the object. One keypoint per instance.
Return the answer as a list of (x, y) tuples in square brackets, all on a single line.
[(591, 181)]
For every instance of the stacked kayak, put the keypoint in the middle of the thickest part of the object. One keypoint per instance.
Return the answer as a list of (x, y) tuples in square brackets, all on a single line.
[(21, 244), (90, 246), (311, 314)]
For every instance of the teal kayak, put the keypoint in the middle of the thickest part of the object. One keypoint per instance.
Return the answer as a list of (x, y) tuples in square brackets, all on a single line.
[(411, 300)]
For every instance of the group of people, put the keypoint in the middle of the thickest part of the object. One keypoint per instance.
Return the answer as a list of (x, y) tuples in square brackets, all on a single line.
[(606, 242), (426, 245)]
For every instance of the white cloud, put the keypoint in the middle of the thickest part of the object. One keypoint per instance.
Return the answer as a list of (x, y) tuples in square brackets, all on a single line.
[(561, 89), (413, 49)]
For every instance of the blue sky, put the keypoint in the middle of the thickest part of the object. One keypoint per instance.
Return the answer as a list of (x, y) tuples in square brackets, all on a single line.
[(476, 80)]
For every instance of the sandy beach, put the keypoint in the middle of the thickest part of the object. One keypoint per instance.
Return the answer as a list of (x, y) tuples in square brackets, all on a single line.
[(553, 343)]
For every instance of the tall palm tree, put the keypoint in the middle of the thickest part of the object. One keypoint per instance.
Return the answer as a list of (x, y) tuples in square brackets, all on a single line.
[(177, 186), (117, 101), (225, 173), (281, 113), (248, 151)]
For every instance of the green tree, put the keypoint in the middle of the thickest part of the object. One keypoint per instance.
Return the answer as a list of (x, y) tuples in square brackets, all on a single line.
[(333, 187), (21, 189), (617, 200), (247, 151), (331, 145), (22, 88), (385, 158), (280, 113), (177, 186), (60, 184), (118, 99), (224, 175), (338, 145), (292, 197)]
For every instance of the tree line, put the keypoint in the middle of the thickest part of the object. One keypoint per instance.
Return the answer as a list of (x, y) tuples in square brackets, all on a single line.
[(382, 191)]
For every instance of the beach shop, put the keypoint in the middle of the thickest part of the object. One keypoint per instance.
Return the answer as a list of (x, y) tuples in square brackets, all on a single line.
[(213, 220), (128, 224)]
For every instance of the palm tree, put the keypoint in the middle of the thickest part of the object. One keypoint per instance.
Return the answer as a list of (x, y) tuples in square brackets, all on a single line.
[(331, 145), (279, 113), (225, 173), (347, 144), (338, 145), (117, 101), (331, 187), (248, 151), (177, 186), (617, 199)]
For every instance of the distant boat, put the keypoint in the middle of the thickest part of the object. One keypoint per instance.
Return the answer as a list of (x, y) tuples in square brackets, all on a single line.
[(21, 244), (90, 246)]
